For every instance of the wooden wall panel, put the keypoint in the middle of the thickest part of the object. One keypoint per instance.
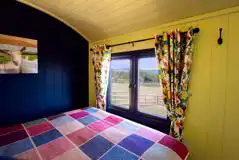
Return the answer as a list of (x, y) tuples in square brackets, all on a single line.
[(231, 131)]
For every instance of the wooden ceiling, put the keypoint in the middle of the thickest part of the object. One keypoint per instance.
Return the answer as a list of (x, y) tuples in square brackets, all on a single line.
[(100, 19)]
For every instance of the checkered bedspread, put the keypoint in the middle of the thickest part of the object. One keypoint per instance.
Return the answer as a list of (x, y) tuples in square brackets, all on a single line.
[(87, 134)]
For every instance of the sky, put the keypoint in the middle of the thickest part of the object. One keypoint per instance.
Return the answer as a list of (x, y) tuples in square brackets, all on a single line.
[(144, 64)]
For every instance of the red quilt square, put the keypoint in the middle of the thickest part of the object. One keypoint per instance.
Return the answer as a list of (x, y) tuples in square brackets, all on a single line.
[(175, 145), (38, 129), (55, 148), (31, 154), (74, 154), (10, 129), (81, 136)]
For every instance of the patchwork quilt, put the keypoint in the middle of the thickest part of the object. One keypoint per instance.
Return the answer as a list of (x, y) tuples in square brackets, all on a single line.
[(87, 134)]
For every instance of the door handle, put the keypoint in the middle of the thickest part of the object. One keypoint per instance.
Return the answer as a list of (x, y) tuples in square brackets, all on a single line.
[(130, 85)]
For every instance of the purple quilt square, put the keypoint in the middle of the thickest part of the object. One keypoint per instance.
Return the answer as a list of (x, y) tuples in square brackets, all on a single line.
[(96, 147), (136, 144), (12, 137), (119, 153)]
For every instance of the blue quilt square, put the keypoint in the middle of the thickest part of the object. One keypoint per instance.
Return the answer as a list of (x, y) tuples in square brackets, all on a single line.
[(136, 144), (88, 119), (118, 153), (62, 120), (91, 110), (16, 148), (96, 147), (130, 127), (46, 137)]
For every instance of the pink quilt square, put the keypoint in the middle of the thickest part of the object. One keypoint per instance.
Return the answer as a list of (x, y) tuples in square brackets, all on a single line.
[(79, 114), (73, 111), (113, 119), (114, 135), (74, 154), (31, 154), (99, 126), (101, 114), (81, 136), (38, 129), (152, 135), (69, 127), (55, 148)]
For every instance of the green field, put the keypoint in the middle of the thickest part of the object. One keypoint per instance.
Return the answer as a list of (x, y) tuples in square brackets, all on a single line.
[(150, 98), (30, 57), (5, 58)]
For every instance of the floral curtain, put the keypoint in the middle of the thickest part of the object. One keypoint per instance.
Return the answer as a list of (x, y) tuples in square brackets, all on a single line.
[(101, 61), (174, 55)]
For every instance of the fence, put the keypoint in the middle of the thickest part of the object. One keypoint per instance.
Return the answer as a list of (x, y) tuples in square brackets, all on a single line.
[(122, 98)]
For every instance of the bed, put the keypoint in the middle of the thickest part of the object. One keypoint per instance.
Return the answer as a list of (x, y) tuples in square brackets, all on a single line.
[(86, 134)]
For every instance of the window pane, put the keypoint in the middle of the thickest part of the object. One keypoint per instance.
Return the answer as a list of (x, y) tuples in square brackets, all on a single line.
[(120, 92), (150, 97)]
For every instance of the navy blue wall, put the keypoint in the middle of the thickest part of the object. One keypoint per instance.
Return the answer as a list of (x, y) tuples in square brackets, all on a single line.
[(62, 81)]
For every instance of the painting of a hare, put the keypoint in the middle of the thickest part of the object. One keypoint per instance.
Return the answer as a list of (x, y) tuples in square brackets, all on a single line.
[(17, 55)]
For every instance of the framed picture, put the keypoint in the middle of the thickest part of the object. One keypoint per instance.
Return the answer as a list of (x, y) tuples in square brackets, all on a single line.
[(18, 55)]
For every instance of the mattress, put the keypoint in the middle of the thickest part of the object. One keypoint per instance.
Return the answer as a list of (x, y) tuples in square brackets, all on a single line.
[(86, 134)]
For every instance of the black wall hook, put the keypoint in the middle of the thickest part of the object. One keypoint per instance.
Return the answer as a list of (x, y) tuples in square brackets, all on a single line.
[(220, 41), (196, 30)]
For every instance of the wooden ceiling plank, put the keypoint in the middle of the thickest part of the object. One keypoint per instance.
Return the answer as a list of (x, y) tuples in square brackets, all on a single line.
[(99, 19), (134, 22), (127, 16)]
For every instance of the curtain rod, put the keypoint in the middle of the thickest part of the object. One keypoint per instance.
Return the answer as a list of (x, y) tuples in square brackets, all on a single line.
[(195, 31)]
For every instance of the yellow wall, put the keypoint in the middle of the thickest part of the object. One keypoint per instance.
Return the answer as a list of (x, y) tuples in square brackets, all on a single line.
[(211, 128)]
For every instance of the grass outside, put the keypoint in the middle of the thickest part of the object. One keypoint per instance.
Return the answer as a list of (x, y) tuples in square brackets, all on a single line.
[(150, 98), (4, 59)]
